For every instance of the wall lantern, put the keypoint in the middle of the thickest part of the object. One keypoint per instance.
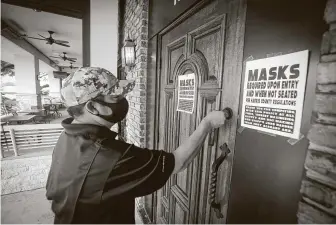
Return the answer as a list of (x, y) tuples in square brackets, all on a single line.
[(128, 53)]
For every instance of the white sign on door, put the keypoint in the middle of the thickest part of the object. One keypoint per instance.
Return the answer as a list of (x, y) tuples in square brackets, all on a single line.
[(186, 93), (274, 90)]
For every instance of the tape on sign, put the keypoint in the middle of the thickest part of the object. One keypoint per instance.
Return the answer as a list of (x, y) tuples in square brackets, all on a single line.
[(250, 58), (293, 141), (273, 54), (240, 129)]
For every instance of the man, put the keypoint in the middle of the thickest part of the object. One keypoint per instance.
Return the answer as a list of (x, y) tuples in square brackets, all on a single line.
[(95, 178)]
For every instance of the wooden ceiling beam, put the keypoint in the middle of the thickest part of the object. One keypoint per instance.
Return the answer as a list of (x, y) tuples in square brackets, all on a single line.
[(71, 8), (13, 36)]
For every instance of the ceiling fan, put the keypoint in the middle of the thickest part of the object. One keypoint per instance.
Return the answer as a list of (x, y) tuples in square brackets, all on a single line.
[(50, 40), (64, 57)]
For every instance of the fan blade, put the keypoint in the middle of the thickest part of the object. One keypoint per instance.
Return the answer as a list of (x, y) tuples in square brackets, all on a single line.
[(55, 57), (63, 44), (34, 38), (42, 36), (71, 60), (60, 41)]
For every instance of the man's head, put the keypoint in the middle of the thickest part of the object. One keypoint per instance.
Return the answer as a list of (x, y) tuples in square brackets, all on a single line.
[(95, 95)]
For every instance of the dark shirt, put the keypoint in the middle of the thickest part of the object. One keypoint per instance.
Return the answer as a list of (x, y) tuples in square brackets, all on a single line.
[(95, 178)]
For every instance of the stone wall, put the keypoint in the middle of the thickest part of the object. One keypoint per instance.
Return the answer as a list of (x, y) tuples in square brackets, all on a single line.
[(318, 204), (134, 22), (24, 174)]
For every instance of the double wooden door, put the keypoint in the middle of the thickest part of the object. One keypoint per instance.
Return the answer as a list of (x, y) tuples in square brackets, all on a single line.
[(207, 41)]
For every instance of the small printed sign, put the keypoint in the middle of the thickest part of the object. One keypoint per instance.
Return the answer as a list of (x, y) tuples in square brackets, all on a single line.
[(274, 90), (186, 93)]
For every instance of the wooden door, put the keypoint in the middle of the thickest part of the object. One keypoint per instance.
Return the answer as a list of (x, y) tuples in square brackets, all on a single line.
[(207, 41)]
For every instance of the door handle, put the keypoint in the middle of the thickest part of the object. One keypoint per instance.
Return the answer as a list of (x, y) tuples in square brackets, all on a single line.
[(215, 166), (228, 115), (213, 183)]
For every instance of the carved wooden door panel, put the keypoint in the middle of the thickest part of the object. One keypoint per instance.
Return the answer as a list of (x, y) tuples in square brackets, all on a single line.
[(197, 45)]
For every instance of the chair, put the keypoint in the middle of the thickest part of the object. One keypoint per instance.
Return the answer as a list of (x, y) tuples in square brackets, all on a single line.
[(46, 109), (54, 111)]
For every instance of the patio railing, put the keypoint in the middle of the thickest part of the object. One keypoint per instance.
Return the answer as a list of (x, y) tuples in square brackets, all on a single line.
[(19, 138)]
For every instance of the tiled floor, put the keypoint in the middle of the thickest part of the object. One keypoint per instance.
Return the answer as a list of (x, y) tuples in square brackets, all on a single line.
[(30, 207), (26, 207)]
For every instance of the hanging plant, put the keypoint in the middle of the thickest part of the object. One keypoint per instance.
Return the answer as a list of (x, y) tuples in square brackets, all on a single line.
[(7, 69), (7, 72)]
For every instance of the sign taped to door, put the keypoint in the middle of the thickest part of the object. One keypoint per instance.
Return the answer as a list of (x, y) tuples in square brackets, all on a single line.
[(274, 90), (186, 93)]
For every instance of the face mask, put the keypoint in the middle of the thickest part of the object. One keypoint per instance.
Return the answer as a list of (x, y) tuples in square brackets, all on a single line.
[(119, 110)]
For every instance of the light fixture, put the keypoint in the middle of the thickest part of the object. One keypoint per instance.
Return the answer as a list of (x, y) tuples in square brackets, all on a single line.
[(128, 53)]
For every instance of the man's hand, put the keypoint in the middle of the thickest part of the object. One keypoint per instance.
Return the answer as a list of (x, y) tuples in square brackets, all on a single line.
[(215, 119)]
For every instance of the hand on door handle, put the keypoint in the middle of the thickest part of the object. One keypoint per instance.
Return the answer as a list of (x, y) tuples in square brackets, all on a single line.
[(215, 166), (213, 185), (228, 113)]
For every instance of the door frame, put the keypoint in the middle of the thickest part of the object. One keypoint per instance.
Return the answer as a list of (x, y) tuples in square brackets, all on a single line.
[(236, 43)]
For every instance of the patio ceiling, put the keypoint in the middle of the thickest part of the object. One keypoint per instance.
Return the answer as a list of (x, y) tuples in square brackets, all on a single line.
[(71, 8), (32, 23)]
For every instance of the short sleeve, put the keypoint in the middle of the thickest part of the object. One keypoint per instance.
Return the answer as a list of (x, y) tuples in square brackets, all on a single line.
[(139, 172)]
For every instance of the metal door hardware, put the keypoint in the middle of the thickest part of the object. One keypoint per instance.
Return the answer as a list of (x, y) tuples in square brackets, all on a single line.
[(213, 184)]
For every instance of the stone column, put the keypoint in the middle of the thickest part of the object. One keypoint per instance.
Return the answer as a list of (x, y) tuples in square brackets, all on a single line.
[(27, 84), (318, 203), (135, 24)]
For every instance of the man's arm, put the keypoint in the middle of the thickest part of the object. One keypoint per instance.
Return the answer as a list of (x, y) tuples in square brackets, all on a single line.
[(187, 151), (141, 171)]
